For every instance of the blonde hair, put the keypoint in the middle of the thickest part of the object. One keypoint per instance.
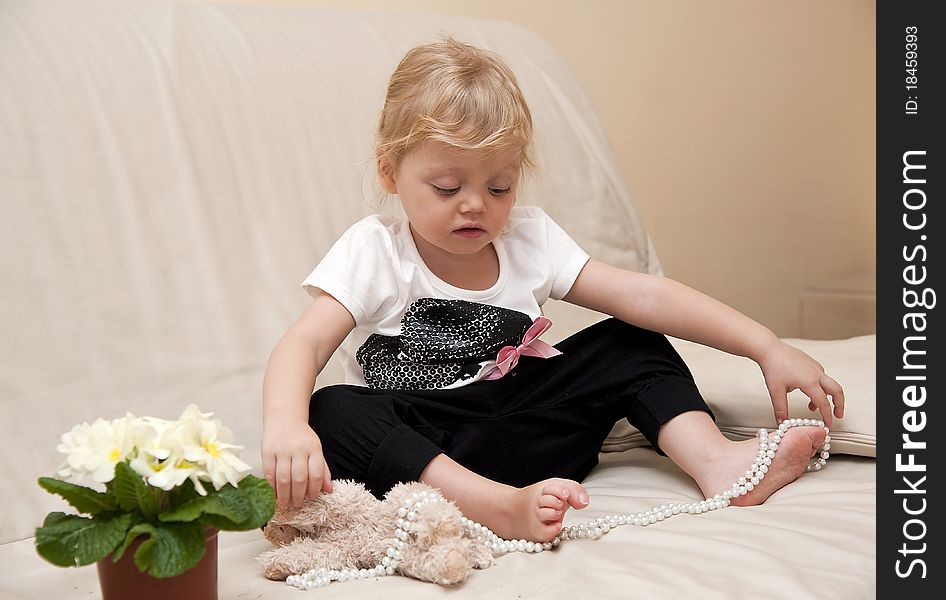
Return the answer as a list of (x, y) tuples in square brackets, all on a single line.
[(453, 92)]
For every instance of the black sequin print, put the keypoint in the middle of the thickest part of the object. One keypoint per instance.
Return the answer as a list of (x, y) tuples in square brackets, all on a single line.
[(441, 342)]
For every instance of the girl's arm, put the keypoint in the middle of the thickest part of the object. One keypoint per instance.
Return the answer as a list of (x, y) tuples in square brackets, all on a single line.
[(291, 451), (668, 307)]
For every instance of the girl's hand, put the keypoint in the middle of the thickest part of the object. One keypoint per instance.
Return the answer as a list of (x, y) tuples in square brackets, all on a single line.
[(293, 463), (787, 368)]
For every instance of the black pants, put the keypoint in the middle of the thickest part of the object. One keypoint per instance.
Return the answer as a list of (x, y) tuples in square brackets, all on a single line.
[(545, 418)]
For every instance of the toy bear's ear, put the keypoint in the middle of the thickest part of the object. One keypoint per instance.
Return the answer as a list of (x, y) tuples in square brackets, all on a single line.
[(280, 535), (402, 491), (408, 487)]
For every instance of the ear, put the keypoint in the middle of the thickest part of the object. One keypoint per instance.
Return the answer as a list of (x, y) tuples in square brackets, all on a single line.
[(386, 175)]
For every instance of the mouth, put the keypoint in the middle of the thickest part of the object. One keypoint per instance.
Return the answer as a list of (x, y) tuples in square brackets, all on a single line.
[(470, 231)]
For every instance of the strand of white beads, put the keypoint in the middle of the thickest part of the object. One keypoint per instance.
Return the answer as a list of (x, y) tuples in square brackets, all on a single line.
[(597, 527), (593, 529)]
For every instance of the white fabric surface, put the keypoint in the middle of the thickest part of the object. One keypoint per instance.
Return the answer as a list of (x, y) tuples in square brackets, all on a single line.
[(813, 539), (169, 172)]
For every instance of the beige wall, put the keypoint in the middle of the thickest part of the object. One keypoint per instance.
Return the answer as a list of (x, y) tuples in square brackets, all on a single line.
[(744, 128)]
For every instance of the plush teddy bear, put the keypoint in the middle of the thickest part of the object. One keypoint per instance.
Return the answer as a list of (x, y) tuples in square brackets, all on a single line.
[(350, 529)]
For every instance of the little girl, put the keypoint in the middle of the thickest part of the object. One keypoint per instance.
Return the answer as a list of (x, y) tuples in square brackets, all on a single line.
[(446, 379)]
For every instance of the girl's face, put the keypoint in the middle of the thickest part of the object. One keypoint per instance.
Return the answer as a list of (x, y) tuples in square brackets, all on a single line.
[(457, 201)]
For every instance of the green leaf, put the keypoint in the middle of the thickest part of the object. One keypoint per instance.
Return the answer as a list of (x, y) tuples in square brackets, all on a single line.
[(133, 533), (85, 500), (171, 549), (74, 541), (242, 508), (227, 503), (262, 501), (132, 492), (223, 523), (182, 494)]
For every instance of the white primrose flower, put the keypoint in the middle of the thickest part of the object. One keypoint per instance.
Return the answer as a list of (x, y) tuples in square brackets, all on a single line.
[(95, 449), (74, 444), (196, 478), (206, 444), (169, 473), (154, 437), (156, 440)]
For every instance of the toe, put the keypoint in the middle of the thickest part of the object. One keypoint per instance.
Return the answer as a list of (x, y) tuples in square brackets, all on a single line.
[(549, 531), (550, 514), (577, 495), (556, 487), (819, 436)]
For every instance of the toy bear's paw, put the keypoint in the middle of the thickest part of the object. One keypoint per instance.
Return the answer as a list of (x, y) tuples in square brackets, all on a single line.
[(455, 567), (304, 554), (446, 564), (480, 555), (274, 565)]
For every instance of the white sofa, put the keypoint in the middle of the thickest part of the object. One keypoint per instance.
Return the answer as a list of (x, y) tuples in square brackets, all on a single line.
[(169, 173)]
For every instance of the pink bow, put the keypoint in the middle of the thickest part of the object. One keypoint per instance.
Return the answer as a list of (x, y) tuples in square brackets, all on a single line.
[(508, 356)]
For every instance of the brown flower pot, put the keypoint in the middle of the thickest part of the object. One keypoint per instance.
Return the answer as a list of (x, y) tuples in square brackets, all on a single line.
[(123, 580)]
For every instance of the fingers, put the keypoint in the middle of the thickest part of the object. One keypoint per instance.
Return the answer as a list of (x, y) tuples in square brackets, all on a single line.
[(295, 479), (818, 395), (269, 469), (283, 481), (300, 479), (797, 370), (837, 394), (326, 479), (779, 397), (820, 399), (316, 477), (551, 501)]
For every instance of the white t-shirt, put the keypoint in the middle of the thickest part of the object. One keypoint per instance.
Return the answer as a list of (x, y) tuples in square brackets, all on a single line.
[(416, 331)]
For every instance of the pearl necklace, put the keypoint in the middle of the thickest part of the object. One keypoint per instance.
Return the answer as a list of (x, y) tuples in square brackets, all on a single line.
[(593, 529)]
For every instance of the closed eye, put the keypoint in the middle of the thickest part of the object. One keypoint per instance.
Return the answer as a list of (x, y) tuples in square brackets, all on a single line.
[(452, 191)]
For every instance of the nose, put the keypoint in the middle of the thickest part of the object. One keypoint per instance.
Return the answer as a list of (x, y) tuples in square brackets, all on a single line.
[(473, 202)]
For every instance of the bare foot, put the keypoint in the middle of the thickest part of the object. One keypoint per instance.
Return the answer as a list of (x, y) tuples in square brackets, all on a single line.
[(796, 448), (535, 513)]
